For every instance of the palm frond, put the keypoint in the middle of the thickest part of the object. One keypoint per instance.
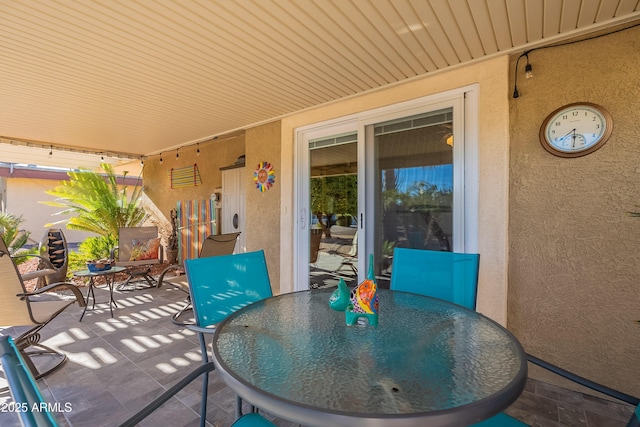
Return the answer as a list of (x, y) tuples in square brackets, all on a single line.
[(96, 203)]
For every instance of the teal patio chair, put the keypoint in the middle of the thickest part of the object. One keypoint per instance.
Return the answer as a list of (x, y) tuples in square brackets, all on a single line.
[(252, 420), (26, 393), (449, 276), (219, 286), (504, 420), (453, 277), (213, 245)]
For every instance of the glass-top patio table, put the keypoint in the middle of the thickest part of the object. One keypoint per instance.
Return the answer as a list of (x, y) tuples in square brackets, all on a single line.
[(428, 362)]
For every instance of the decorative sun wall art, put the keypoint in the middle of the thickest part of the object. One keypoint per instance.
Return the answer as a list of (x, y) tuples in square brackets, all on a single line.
[(264, 176)]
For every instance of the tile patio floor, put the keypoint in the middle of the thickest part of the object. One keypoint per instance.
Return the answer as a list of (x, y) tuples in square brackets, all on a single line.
[(118, 365)]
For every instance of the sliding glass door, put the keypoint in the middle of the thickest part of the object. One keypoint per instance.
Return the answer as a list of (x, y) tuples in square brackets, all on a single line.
[(412, 186), (333, 205), (402, 176)]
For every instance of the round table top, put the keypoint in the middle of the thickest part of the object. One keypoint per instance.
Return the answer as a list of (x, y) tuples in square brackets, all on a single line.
[(428, 361), (86, 272)]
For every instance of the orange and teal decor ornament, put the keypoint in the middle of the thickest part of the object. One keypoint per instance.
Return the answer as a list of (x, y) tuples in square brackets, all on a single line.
[(264, 176), (364, 300)]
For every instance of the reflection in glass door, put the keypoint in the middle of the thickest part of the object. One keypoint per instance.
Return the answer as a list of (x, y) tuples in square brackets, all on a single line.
[(405, 175), (412, 186), (333, 199)]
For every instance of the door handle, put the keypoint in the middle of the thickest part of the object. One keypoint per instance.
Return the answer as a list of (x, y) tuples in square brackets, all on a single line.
[(303, 218), (235, 221)]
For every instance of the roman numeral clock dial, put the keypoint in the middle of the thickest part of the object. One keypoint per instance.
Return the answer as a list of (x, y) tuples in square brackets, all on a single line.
[(576, 129)]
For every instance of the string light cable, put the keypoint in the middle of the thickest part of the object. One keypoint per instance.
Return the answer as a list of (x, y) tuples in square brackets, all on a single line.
[(528, 69)]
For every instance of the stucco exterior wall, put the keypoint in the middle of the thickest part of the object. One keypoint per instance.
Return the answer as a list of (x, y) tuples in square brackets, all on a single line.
[(493, 167), (213, 155), (261, 143), (23, 195), (263, 208), (574, 296)]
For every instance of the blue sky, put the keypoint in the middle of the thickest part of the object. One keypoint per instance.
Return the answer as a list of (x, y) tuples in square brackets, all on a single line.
[(439, 175)]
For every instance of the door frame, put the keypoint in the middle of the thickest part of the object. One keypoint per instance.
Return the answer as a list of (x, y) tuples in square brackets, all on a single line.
[(301, 186), (465, 131)]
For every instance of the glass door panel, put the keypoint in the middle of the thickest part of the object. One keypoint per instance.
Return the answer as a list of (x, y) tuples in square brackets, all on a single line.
[(413, 186), (333, 197)]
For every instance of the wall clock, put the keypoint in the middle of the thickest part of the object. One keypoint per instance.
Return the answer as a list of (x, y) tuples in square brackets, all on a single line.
[(576, 129)]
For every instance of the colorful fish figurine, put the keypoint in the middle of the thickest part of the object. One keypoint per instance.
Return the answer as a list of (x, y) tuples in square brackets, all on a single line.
[(364, 300)]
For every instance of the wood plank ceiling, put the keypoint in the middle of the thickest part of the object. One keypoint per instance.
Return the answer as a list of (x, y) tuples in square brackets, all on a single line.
[(141, 77)]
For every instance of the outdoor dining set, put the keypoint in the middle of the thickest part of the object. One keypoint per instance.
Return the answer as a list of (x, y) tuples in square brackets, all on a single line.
[(416, 354)]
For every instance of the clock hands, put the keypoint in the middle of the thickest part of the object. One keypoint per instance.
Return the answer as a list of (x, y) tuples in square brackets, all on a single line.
[(577, 139), (572, 132)]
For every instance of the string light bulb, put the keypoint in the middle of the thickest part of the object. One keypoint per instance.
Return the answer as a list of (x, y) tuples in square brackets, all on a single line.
[(160, 158), (198, 149), (50, 150), (177, 153), (528, 72)]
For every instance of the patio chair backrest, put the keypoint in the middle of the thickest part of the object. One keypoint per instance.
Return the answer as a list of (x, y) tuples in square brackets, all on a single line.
[(219, 244), (138, 246), (220, 285), (13, 310), (449, 276)]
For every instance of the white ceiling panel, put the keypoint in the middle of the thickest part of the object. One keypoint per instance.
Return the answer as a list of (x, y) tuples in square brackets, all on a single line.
[(143, 76)]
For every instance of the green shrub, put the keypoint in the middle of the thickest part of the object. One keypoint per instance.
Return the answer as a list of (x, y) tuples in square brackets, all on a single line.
[(76, 262), (98, 247), (14, 237), (91, 248)]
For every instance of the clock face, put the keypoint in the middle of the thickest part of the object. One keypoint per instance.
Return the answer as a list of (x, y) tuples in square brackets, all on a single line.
[(576, 129)]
